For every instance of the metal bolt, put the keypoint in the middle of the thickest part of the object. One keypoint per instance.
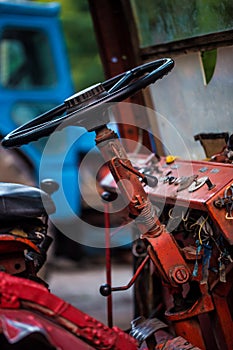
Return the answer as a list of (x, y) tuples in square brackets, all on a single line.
[(180, 274)]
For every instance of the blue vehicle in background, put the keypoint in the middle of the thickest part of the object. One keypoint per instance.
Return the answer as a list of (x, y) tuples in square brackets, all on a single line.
[(34, 77)]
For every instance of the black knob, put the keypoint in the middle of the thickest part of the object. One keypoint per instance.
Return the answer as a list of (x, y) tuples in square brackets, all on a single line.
[(49, 186), (109, 196), (209, 184), (105, 290)]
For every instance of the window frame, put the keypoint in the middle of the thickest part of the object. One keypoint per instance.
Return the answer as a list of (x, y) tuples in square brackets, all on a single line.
[(184, 46)]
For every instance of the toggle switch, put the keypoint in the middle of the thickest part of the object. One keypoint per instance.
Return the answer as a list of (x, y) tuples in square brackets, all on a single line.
[(198, 183)]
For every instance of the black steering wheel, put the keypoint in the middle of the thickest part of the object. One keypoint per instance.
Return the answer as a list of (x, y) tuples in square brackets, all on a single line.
[(76, 110)]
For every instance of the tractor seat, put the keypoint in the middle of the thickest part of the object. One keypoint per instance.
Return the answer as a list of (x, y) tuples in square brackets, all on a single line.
[(17, 201)]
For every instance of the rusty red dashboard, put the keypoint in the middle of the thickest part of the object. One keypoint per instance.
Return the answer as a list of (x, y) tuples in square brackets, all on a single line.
[(197, 185)]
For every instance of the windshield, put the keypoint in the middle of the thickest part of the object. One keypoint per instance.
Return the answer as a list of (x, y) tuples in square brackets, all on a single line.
[(26, 59)]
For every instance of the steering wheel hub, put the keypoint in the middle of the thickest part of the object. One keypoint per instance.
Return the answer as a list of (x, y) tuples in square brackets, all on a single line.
[(86, 96)]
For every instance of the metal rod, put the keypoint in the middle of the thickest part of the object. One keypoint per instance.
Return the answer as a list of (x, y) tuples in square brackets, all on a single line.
[(108, 263), (135, 276)]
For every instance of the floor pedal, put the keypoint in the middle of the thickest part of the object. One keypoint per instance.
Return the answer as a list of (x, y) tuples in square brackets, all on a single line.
[(142, 328)]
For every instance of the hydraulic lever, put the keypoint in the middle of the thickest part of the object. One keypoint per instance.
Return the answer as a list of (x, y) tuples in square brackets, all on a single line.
[(148, 180), (106, 289)]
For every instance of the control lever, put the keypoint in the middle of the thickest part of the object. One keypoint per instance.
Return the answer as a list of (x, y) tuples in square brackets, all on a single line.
[(150, 180), (147, 179), (107, 289)]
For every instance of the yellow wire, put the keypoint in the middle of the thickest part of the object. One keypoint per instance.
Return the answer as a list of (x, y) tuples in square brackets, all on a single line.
[(169, 213), (200, 228), (176, 217)]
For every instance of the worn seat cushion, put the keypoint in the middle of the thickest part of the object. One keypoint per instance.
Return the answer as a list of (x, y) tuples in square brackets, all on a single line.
[(18, 200)]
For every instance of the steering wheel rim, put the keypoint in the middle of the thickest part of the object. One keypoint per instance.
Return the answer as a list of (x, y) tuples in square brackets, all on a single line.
[(118, 88)]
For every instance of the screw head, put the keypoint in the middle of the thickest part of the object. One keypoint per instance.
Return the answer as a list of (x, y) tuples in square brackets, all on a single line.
[(180, 274)]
